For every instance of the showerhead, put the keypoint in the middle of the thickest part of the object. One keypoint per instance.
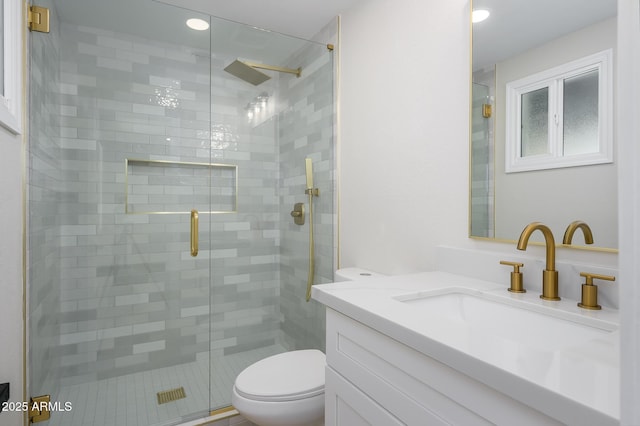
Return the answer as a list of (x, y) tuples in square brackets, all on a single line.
[(246, 72)]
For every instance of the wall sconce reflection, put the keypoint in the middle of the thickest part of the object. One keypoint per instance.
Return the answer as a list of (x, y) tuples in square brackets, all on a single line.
[(257, 108)]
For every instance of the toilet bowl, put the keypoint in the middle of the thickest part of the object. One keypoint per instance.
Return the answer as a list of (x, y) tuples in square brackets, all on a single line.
[(287, 389)]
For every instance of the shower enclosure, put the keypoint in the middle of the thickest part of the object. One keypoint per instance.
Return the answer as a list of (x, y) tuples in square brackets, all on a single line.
[(481, 162), (133, 124)]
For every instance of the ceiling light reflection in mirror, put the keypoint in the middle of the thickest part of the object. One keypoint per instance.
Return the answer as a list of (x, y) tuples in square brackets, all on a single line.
[(513, 43), (479, 15), (197, 24)]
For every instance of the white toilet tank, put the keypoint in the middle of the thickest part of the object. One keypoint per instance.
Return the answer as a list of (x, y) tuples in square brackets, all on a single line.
[(353, 274)]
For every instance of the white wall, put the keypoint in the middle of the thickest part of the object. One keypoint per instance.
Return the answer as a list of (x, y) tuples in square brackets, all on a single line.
[(404, 132), (404, 78), (403, 146), (404, 156), (403, 142), (11, 269), (11, 254), (629, 205)]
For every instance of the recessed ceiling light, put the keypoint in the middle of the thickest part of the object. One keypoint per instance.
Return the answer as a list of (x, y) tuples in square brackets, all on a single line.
[(479, 15), (197, 24)]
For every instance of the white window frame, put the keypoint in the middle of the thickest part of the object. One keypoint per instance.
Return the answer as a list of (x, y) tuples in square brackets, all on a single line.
[(11, 102), (553, 79)]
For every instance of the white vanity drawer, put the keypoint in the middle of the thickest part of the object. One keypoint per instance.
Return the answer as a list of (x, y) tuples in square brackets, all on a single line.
[(414, 388), (346, 405)]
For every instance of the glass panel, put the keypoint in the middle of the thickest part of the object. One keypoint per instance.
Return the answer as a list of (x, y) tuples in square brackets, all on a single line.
[(481, 164), (260, 257), (581, 114), (119, 309), (131, 126), (1, 47), (48, 309), (535, 122)]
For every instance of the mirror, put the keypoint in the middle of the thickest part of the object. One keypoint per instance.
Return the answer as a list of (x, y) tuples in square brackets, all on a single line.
[(518, 39)]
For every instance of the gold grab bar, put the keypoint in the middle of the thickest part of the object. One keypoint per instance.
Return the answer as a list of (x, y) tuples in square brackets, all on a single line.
[(194, 233)]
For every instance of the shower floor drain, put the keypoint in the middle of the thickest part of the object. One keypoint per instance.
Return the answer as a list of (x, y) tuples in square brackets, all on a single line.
[(171, 395)]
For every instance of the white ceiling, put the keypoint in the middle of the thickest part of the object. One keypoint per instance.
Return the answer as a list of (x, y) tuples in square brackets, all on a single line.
[(514, 25), (518, 25), (300, 18), (164, 20)]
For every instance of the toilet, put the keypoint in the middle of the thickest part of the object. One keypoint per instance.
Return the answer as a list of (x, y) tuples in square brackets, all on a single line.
[(287, 389)]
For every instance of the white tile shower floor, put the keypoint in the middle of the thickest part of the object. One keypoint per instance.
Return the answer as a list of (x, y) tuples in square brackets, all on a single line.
[(131, 400)]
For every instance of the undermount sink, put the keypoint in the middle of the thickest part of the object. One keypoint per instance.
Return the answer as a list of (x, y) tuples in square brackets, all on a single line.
[(508, 319)]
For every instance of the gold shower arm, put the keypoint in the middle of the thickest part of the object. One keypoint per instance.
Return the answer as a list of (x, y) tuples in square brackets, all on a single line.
[(297, 72)]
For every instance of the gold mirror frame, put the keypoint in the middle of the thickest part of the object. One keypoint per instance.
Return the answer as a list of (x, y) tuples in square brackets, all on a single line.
[(470, 182)]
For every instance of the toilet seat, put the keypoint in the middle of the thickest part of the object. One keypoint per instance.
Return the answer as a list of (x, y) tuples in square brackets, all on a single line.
[(288, 376)]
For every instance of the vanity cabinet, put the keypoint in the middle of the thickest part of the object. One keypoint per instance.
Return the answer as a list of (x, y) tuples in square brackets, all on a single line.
[(372, 379)]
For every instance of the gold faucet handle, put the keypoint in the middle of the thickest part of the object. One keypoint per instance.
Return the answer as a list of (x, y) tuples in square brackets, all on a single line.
[(590, 291), (516, 277), (590, 277)]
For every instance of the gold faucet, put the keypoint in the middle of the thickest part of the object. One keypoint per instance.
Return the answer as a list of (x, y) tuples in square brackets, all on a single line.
[(571, 229), (549, 275)]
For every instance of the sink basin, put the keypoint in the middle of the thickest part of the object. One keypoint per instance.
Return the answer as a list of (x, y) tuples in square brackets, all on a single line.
[(508, 319)]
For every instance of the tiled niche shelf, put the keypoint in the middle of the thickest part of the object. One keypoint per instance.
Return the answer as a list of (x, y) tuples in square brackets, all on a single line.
[(174, 187)]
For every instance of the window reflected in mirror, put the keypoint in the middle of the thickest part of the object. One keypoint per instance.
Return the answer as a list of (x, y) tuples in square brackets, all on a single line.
[(560, 117), (534, 122), (511, 45), (580, 114)]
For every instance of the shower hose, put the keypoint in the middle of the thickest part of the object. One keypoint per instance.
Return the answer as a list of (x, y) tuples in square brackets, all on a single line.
[(312, 263)]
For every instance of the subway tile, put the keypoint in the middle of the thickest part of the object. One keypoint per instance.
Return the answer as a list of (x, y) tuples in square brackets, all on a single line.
[(164, 81), (149, 347), (113, 332), (68, 89), (133, 299), (114, 42), (68, 143), (131, 360), (149, 327), (114, 64), (71, 338), (148, 109), (194, 311)]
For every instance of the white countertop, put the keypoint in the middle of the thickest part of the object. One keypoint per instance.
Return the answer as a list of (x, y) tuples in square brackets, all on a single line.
[(576, 382)]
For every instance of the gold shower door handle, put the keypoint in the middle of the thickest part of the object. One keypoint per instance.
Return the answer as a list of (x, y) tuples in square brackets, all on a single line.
[(194, 233)]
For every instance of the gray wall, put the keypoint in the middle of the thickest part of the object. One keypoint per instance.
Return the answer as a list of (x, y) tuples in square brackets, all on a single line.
[(555, 197)]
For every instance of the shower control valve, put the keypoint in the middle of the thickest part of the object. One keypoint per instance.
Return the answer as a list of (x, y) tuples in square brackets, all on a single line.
[(298, 213)]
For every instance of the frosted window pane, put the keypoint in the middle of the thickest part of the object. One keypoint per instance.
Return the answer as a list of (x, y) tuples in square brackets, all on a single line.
[(581, 114), (535, 122)]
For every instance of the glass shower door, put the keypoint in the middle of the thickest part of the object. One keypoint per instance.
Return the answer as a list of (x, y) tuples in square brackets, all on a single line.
[(260, 257), (481, 179), (133, 125), (119, 156)]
